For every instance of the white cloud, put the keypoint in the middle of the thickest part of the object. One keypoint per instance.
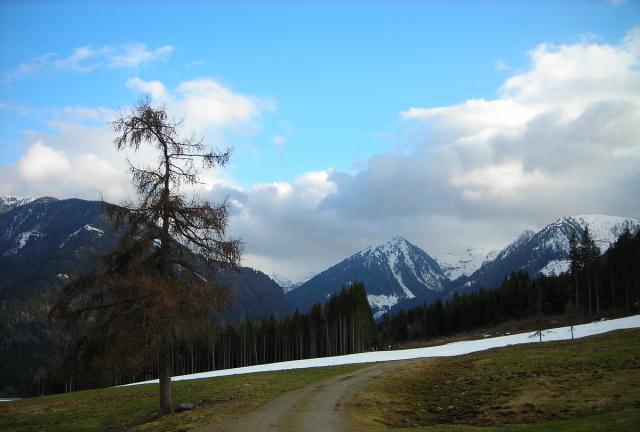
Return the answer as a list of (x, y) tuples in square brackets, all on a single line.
[(28, 68), (77, 158), (206, 105), (41, 163), (562, 138), (88, 58), (133, 55), (155, 89)]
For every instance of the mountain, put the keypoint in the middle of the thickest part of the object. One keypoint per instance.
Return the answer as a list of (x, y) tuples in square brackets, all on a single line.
[(391, 272), (458, 264), (546, 251), (285, 283), (46, 242)]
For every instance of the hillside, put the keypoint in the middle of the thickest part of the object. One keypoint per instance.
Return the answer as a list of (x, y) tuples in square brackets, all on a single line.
[(46, 242), (469, 380)]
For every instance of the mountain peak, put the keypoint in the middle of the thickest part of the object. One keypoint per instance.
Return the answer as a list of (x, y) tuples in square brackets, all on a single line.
[(8, 202), (398, 239), (392, 271)]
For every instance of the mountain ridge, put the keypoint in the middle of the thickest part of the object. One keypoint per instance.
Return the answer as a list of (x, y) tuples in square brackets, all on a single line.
[(391, 272)]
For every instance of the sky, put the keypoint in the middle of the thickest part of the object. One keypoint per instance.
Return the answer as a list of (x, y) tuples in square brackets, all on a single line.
[(454, 124)]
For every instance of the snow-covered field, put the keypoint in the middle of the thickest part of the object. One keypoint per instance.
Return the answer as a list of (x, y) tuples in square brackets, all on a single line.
[(450, 349)]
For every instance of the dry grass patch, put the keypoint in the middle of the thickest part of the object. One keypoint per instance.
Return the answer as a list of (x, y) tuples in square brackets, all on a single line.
[(518, 385)]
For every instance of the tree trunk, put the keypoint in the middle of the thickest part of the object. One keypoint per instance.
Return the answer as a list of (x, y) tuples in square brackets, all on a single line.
[(575, 281), (589, 293), (166, 405), (597, 291)]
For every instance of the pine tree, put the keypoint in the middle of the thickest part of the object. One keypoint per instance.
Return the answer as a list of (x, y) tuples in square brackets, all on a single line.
[(157, 286), (575, 266), (589, 253)]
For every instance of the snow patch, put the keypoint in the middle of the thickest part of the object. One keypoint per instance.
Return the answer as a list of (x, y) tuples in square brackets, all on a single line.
[(457, 264), (382, 301), (448, 350), (287, 284), (605, 229), (88, 228), (22, 239), (555, 267)]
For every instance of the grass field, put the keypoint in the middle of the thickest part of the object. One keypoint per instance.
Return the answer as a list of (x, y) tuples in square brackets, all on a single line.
[(590, 384), (135, 408)]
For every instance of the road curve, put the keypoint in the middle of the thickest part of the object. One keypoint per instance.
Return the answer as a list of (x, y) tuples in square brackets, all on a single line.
[(315, 408)]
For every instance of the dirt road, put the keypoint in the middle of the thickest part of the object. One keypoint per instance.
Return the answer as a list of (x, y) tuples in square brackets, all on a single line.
[(316, 408)]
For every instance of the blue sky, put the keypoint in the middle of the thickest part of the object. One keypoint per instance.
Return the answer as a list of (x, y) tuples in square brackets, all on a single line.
[(319, 94), (339, 74)]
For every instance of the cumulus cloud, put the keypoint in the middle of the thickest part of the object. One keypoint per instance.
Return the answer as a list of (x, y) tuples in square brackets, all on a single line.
[(205, 104), (558, 130), (77, 157), (562, 138), (155, 89), (87, 58)]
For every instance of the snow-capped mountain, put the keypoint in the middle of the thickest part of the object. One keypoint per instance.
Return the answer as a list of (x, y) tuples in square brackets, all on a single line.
[(46, 241), (546, 251), (285, 283), (9, 202), (457, 264), (391, 272)]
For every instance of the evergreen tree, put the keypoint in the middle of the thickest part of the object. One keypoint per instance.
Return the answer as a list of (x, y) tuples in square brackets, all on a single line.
[(146, 295), (589, 253), (575, 267)]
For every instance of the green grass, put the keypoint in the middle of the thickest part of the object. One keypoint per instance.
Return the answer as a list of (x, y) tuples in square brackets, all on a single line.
[(135, 408), (590, 384), (585, 385)]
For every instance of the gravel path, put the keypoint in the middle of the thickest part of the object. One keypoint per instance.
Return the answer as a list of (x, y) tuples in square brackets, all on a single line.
[(318, 407)]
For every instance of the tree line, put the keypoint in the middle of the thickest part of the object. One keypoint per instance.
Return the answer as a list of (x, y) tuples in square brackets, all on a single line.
[(594, 286), (343, 325)]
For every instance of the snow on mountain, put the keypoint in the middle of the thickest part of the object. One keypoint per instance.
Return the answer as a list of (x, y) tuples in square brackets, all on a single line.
[(555, 267), (392, 272), (546, 251), (8, 202), (86, 228), (457, 264), (381, 303), (522, 239), (46, 242), (287, 284), (604, 229), (400, 256)]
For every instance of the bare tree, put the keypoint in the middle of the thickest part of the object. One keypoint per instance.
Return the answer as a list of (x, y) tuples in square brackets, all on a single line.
[(157, 286)]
